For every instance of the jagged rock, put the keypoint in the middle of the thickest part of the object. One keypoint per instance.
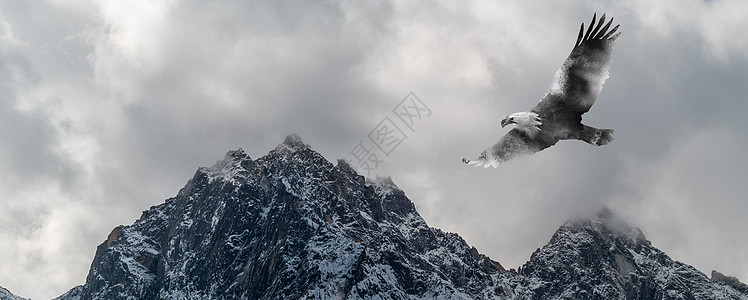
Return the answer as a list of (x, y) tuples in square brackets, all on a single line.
[(72, 294), (291, 225), (285, 226), (7, 295), (730, 281), (605, 258)]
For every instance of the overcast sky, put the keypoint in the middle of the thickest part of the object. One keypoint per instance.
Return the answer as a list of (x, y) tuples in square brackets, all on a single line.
[(109, 107)]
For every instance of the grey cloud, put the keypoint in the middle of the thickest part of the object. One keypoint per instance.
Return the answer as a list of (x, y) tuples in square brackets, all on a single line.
[(127, 101), (28, 153)]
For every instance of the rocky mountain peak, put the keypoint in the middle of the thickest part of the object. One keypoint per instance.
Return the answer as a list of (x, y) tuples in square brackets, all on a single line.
[(294, 141), (7, 295), (606, 258), (286, 225), (291, 144), (235, 162), (730, 281), (292, 225), (604, 223)]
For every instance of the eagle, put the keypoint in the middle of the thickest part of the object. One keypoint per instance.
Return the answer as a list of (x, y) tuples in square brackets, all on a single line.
[(558, 115)]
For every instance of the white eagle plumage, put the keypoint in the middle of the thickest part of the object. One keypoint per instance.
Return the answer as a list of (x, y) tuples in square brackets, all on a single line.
[(525, 121), (558, 115)]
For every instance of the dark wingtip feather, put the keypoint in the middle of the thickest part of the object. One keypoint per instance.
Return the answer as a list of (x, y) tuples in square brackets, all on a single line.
[(597, 28), (589, 29), (603, 31), (579, 37), (612, 31), (614, 37)]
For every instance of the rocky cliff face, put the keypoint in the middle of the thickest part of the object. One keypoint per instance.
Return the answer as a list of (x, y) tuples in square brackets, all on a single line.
[(730, 281), (7, 295), (288, 225), (292, 225), (72, 294), (604, 258)]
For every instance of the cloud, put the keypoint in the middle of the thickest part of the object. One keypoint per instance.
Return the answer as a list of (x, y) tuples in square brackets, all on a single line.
[(109, 107), (685, 200), (716, 24)]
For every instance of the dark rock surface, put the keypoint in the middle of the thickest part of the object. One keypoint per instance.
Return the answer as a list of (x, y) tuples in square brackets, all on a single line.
[(291, 225), (288, 225), (7, 295), (72, 294), (730, 281), (605, 258)]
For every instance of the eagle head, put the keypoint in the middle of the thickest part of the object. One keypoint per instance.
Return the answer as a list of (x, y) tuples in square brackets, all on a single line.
[(527, 121)]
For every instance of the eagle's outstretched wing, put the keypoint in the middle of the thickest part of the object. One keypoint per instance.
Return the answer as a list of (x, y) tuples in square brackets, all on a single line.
[(574, 90), (580, 79), (511, 145)]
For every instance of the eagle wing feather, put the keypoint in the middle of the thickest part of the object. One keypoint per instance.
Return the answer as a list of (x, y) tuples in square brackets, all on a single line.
[(581, 77), (573, 92)]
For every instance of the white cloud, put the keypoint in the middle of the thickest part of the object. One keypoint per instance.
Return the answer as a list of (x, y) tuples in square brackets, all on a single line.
[(691, 201), (717, 24), (112, 105)]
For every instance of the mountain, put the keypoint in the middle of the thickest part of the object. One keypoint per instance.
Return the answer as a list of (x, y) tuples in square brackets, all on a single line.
[(730, 281), (7, 295), (292, 225), (605, 258), (287, 225), (72, 294)]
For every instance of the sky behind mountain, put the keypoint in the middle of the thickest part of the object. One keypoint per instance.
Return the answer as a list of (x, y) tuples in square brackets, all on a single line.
[(108, 107)]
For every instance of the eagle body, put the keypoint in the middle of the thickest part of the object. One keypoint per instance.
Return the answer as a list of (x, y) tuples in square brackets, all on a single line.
[(558, 115)]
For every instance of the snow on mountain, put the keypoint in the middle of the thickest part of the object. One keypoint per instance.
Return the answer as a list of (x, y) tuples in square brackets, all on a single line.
[(730, 281), (7, 295), (288, 225), (605, 258), (72, 294), (291, 225)]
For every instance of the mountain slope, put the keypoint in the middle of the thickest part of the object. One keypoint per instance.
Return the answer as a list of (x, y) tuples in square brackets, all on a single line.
[(605, 258), (287, 225), (72, 294), (291, 225), (730, 281), (7, 295)]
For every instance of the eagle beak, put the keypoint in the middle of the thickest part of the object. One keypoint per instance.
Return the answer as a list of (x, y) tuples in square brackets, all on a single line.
[(505, 122)]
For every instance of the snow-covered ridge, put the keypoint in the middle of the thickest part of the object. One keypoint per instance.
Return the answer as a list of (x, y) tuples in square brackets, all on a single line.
[(292, 142), (287, 225), (230, 168), (72, 294), (611, 224), (383, 185), (605, 258), (7, 295), (292, 225)]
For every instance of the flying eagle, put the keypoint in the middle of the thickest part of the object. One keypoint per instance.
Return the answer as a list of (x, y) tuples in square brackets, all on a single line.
[(558, 115)]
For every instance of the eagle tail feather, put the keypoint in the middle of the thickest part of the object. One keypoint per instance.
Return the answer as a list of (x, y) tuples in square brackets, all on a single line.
[(596, 137), (606, 136)]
